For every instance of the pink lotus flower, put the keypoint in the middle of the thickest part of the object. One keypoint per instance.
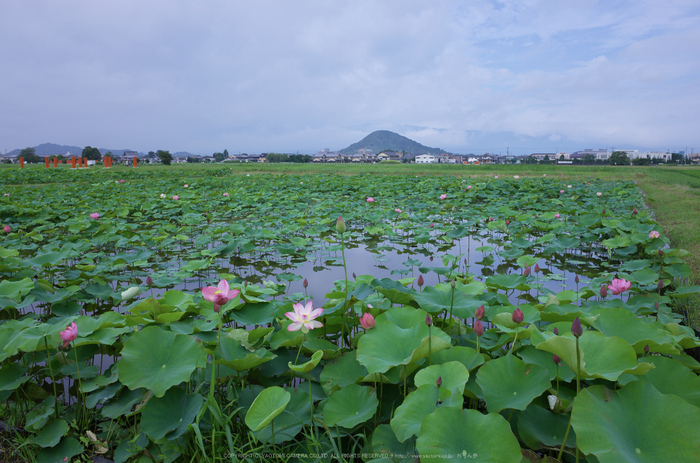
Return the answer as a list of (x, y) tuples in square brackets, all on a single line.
[(94, 215), (432, 225), (69, 334), (619, 286), (398, 210), (469, 187), (122, 181), (304, 317), (556, 216), (7, 229), (443, 196), (176, 197), (370, 200), (654, 234), (186, 185), (561, 191), (226, 195), (599, 194), (117, 182), (6, 194), (367, 321), (220, 294), (495, 176)]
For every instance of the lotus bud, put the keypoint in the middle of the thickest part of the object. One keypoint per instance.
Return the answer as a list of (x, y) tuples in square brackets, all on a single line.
[(556, 359), (537, 268), (367, 321), (603, 211), (634, 211), (661, 253), (576, 280), (438, 383), (518, 316), (556, 331), (507, 222), (603, 291), (429, 320), (217, 307), (149, 281), (432, 225), (354, 276), (656, 305), (478, 328), (660, 285), (480, 312), (453, 283), (646, 349), (420, 281), (7, 229), (431, 258), (576, 328), (526, 273), (340, 225), (305, 283)]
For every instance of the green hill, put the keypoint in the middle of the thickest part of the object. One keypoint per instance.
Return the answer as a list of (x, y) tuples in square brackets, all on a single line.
[(384, 140)]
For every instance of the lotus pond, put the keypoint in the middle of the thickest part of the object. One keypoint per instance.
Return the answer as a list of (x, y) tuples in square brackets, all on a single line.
[(509, 319)]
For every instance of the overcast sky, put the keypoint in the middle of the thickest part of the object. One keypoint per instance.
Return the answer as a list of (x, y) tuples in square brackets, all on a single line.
[(286, 76)]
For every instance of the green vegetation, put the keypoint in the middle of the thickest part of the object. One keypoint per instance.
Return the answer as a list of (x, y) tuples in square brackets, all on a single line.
[(153, 307)]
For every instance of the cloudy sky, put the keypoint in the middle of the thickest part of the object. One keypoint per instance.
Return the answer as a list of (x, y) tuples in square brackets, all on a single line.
[(476, 76)]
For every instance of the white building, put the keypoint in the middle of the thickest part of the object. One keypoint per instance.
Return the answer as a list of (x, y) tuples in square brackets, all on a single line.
[(426, 159)]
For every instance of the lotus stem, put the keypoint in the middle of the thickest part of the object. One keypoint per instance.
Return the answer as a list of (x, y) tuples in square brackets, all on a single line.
[(53, 380)]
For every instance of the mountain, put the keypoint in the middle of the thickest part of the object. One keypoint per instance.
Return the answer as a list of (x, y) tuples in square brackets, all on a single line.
[(384, 140)]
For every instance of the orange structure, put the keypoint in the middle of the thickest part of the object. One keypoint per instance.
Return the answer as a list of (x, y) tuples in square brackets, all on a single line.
[(72, 161), (55, 162), (21, 162), (46, 162), (135, 161)]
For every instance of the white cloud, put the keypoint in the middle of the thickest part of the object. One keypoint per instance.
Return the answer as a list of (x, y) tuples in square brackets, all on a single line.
[(287, 76)]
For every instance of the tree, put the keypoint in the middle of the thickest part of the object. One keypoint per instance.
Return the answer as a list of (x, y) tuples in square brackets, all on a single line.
[(219, 157), (151, 155), (588, 159), (92, 154), (619, 158), (165, 157), (225, 154), (29, 155)]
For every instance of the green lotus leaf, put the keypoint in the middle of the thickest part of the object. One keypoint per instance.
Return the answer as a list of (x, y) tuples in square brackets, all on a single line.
[(289, 423), (466, 435), (511, 281), (541, 428), (256, 313), (671, 377), (383, 442), (15, 290), (435, 301), (343, 371), (12, 376), (234, 355), (123, 404), (399, 337), (51, 434), (544, 359), (350, 406), (636, 423), (64, 451), (464, 355), (601, 356), (157, 359), (394, 291), (508, 382), (266, 406), (307, 366), (624, 324), (170, 415), (454, 375), (409, 416)]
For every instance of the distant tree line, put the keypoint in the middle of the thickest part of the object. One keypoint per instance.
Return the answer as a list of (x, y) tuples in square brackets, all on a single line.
[(281, 157)]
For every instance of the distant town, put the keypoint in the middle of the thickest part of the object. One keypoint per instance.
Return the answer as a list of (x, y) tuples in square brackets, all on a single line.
[(585, 157)]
